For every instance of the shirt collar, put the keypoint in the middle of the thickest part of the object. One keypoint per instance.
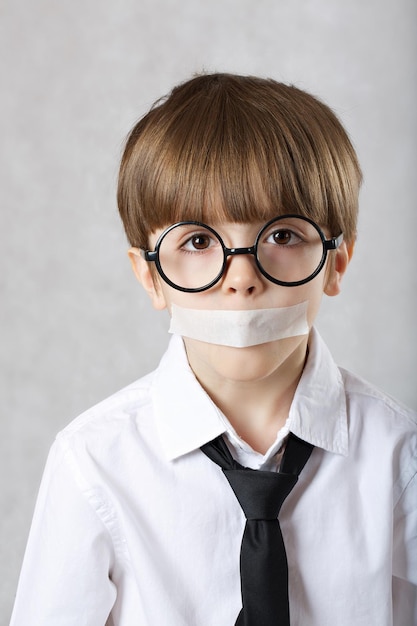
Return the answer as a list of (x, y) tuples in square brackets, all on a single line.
[(187, 418), (318, 412)]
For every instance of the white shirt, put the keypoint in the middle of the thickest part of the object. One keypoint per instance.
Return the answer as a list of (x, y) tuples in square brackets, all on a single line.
[(135, 522)]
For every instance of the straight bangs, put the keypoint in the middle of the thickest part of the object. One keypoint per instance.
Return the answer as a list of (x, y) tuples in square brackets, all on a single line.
[(240, 149)]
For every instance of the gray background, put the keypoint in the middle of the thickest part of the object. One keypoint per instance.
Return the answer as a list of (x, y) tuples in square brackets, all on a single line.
[(74, 78)]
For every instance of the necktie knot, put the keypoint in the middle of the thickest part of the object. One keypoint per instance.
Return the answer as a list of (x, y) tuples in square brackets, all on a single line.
[(260, 494)]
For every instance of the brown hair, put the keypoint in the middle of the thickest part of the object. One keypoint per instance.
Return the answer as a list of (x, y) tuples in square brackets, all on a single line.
[(237, 148)]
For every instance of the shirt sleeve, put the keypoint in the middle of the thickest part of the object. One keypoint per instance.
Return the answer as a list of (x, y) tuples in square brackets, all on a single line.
[(405, 551), (65, 577)]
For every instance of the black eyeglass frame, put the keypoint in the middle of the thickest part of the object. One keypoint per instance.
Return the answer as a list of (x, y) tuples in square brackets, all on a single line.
[(328, 244)]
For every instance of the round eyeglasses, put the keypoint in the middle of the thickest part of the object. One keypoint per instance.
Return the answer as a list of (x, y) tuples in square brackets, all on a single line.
[(289, 250)]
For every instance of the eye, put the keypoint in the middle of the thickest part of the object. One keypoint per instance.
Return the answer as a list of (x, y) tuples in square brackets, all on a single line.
[(283, 237), (198, 241)]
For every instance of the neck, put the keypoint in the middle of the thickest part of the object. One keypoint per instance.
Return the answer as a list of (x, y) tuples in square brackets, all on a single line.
[(257, 407)]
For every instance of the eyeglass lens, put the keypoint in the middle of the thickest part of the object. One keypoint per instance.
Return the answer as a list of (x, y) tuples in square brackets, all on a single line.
[(288, 250)]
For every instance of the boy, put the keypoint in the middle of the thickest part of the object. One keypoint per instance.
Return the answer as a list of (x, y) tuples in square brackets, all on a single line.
[(239, 198)]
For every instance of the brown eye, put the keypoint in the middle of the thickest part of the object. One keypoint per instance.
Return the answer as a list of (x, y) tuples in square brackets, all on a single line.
[(200, 242), (282, 236)]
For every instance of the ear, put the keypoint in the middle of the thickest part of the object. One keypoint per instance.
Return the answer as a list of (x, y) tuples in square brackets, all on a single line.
[(338, 267), (143, 273)]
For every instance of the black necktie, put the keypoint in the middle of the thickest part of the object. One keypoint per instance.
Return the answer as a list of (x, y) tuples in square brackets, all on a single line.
[(263, 560)]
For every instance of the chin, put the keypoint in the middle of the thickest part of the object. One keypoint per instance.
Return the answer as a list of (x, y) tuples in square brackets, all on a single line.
[(254, 363)]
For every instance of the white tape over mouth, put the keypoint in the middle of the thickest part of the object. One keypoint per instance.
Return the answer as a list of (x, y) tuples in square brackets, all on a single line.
[(240, 329)]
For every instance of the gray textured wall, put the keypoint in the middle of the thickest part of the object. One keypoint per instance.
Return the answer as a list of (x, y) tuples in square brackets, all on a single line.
[(74, 78)]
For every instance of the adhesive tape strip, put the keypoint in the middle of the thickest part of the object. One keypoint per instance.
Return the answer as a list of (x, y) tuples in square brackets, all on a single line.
[(240, 329)]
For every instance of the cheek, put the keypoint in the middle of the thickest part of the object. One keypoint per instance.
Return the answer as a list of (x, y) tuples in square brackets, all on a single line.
[(312, 293), (187, 300)]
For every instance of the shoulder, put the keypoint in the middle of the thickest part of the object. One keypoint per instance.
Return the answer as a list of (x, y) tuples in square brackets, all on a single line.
[(378, 432), (112, 444), (121, 434), (383, 430), (365, 398), (106, 424)]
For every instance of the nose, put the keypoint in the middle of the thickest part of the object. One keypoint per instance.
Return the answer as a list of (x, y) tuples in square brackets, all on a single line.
[(242, 275)]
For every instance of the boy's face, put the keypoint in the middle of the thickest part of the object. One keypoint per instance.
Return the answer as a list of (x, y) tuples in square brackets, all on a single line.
[(243, 287)]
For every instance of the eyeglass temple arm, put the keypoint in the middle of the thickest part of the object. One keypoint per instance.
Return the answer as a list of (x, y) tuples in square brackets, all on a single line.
[(334, 242), (148, 255)]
